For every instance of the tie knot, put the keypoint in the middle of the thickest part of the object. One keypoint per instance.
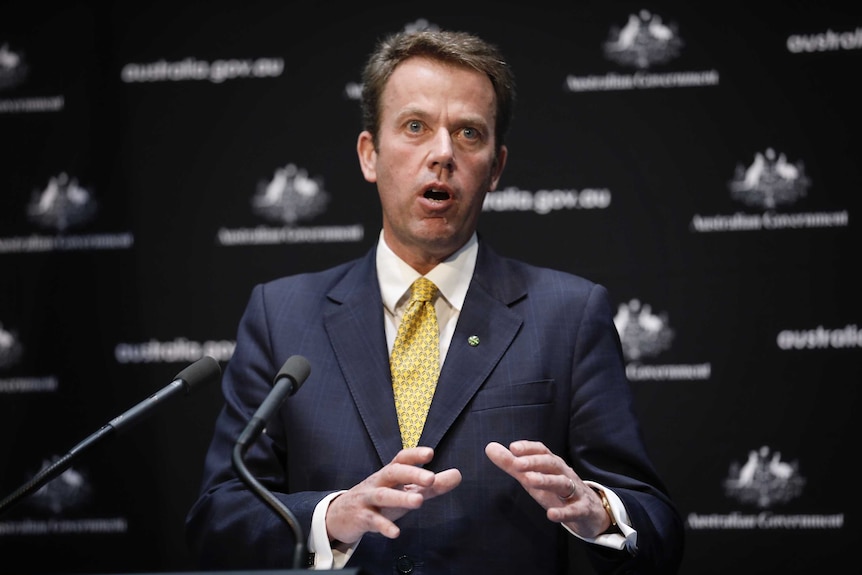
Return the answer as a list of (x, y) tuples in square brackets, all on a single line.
[(423, 289)]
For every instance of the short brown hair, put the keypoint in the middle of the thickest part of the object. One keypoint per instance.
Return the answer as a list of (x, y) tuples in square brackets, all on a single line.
[(457, 48)]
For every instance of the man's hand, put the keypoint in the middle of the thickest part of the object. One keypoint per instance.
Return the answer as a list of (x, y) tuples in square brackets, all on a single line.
[(553, 484), (374, 504)]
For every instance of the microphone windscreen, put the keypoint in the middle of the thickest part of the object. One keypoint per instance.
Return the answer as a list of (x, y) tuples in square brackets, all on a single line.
[(204, 370), (296, 368)]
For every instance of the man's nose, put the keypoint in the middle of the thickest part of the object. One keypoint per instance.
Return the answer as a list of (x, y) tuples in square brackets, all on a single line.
[(442, 151)]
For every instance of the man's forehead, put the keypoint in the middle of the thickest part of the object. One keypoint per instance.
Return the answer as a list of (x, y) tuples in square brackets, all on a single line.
[(411, 75)]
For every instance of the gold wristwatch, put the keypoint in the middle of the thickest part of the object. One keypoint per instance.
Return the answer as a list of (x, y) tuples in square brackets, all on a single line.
[(607, 505)]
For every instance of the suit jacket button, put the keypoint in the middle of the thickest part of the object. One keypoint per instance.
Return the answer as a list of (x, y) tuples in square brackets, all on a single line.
[(404, 564)]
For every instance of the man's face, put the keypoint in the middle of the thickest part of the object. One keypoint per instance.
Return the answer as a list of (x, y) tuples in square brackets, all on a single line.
[(435, 158)]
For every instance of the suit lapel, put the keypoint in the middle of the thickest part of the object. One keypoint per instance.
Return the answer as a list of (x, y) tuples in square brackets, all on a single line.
[(355, 327), (485, 329), (354, 323)]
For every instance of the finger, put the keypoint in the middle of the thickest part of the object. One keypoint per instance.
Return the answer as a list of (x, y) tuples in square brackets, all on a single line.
[(414, 456), (513, 464), (526, 447), (397, 475), (385, 527), (358, 511), (535, 456), (499, 455), (444, 482), (375, 518), (396, 499), (570, 490), (405, 468), (503, 458)]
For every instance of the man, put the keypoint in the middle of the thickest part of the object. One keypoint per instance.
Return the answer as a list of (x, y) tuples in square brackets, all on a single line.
[(530, 438)]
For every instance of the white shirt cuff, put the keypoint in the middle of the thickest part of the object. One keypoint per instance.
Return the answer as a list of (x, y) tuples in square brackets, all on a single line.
[(628, 538), (325, 557)]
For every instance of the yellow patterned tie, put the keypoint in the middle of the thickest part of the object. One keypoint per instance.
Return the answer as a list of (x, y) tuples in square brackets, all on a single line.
[(415, 361)]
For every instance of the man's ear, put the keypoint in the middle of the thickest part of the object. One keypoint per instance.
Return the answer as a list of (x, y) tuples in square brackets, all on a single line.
[(497, 168), (367, 156)]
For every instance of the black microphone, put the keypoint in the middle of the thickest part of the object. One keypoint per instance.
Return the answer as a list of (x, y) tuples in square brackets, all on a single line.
[(286, 382), (202, 371), (288, 379)]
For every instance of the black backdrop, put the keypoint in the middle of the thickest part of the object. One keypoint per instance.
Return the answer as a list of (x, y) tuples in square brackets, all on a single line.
[(701, 161)]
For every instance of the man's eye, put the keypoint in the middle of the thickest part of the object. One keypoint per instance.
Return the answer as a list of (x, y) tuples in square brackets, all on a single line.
[(471, 133), (414, 126)]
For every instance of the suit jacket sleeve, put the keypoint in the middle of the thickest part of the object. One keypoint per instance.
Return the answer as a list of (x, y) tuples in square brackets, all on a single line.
[(229, 527)]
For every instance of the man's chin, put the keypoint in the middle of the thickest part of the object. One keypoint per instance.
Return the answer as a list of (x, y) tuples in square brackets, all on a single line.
[(440, 234)]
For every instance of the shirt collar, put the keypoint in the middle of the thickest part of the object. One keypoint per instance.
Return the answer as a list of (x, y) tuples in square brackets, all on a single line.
[(451, 276)]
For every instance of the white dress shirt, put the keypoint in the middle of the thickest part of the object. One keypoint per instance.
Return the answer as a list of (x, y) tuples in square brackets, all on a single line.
[(452, 278)]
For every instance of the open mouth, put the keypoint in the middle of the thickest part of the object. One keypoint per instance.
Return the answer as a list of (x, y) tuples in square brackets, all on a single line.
[(436, 195)]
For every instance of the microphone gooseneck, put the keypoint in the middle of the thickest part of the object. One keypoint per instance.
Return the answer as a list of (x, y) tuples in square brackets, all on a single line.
[(202, 371), (288, 379)]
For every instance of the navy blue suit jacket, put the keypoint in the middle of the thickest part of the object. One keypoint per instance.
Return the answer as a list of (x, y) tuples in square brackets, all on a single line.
[(548, 367)]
